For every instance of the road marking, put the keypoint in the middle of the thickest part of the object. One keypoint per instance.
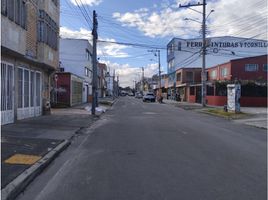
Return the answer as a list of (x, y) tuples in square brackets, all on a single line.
[(149, 113), (22, 159)]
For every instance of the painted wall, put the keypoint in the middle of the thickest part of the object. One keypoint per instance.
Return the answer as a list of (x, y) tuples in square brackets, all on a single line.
[(74, 58)]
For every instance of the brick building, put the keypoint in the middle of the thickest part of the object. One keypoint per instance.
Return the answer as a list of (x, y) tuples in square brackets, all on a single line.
[(29, 56), (250, 72)]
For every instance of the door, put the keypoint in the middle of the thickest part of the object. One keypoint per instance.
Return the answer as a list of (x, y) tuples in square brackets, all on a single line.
[(7, 93), (29, 93)]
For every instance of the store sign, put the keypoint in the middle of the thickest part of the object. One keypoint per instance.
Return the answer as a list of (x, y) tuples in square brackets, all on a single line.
[(229, 44)]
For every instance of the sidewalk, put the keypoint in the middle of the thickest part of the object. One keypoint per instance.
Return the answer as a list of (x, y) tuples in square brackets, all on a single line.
[(29, 145), (255, 116)]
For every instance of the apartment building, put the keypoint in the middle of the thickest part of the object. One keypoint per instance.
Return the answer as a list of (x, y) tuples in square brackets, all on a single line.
[(29, 56), (76, 58)]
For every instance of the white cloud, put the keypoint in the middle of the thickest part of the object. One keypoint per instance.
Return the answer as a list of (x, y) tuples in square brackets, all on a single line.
[(128, 74), (86, 2), (236, 18), (104, 49), (80, 34)]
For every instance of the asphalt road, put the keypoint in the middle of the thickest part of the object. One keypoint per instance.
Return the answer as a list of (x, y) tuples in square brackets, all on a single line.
[(151, 151)]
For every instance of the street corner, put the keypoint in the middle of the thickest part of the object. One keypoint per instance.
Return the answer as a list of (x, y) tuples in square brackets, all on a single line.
[(18, 154)]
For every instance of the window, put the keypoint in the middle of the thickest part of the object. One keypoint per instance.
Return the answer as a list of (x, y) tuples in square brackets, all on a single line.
[(88, 54), (10, 9), (47, 30), (265, 67), (86, 71), (224, 72), (192, 90), (170, 64), (251, 67), (15, 10), (179, 76), (20, 87), (55, 2), (4, 7), (189, 77), (210, 90), (213, 74)]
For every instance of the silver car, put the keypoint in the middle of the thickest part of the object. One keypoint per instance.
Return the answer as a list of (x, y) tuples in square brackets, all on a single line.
[(149, 97)]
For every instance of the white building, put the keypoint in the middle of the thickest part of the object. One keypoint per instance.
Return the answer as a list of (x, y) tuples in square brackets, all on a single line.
[(76, 57), (187, 52)]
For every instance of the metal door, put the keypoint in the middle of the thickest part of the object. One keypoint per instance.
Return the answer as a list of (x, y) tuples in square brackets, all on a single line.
[(7, 93)]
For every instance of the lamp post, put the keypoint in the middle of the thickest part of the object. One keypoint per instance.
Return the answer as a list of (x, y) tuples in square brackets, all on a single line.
[(157, 53)]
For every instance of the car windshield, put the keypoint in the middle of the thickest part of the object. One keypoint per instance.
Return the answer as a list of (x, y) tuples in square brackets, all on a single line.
[(150, 94)]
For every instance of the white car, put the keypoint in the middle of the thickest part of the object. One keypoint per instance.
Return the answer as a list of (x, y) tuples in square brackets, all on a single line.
[(149, 97)]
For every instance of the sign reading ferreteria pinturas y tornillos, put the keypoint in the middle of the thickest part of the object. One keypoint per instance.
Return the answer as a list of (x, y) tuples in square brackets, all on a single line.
[(230, 44)]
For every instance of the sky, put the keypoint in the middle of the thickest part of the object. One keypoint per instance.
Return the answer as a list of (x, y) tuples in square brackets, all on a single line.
[(151, 24)]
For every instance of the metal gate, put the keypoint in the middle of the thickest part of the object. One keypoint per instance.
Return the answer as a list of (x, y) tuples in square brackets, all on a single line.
[(29, 93), (7, 93)]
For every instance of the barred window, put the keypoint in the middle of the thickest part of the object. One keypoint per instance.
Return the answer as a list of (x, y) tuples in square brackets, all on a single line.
[(4, 7), (15, 10), (251, 67), (47, 30)]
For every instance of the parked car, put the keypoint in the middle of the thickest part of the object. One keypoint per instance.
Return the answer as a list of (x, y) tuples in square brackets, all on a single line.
[(149, 97), (138, 95)]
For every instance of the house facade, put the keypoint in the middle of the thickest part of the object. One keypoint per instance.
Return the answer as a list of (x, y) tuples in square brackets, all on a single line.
[(250, 72), (102, 84), (76, 58), (29, 56)]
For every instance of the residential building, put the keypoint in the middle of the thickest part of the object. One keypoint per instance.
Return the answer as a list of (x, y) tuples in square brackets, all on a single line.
[(102, 84), (29, 56), (76, 58), (250, 72)]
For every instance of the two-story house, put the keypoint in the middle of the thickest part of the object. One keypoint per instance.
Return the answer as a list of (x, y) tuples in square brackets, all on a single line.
[(29, 56)]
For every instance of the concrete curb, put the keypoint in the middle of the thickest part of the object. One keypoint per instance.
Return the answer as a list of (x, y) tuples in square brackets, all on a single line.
[(20, 183)]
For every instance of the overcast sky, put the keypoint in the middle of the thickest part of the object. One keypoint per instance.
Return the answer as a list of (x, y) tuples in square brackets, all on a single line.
[(155, 23)]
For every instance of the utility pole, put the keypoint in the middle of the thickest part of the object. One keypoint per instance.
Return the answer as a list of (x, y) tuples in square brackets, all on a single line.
[(204, 45), (142, 80), (159, 68), (94, 63), (117, 85)]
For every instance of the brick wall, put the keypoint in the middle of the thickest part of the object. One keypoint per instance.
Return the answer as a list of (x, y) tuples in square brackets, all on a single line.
[(31, 34)]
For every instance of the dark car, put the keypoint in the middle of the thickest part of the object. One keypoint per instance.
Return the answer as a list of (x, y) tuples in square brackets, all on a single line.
[(138, 95), (149, 97)]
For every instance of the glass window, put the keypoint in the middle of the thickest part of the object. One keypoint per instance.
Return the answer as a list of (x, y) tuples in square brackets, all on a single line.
[(10, 9), (251, 67), (265, 67), (17, 11), (224, 72), (20, 87), (3, 86), (189, 76), (4, 7), (26, 88), (192, 90), (213, 74), (38, 89), (179, 77), (32, 89)]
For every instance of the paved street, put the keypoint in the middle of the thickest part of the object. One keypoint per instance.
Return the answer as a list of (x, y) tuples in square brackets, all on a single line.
[(151, 151)]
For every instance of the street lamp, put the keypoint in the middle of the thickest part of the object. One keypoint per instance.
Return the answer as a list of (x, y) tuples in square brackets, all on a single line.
[(157, 54)]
